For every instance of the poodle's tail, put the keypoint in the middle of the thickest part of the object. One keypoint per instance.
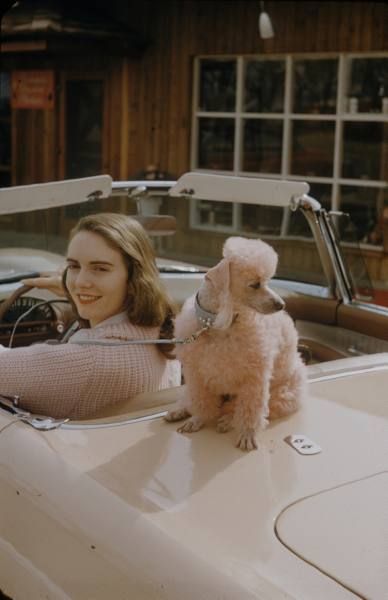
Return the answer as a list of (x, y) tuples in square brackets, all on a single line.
[(286, 396)]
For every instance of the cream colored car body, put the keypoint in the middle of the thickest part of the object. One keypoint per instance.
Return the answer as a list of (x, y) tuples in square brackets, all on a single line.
[(125, 507)]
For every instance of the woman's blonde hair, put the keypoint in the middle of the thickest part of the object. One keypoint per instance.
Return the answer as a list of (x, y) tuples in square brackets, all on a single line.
[(148, 303)]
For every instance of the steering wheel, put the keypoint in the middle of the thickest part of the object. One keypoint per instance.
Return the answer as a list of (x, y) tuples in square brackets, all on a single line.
[(7, 303), (64, 328)]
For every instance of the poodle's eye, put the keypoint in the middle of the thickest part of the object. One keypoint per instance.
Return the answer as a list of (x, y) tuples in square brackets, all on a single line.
[(255, 286)]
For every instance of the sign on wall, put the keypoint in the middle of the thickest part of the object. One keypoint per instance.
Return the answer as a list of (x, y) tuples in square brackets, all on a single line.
[(32, 89)]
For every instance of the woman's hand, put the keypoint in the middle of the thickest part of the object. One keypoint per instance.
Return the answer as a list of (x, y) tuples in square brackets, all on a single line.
[(51, 281)]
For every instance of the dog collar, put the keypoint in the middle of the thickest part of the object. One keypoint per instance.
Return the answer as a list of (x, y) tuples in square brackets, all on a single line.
[(205, 317)]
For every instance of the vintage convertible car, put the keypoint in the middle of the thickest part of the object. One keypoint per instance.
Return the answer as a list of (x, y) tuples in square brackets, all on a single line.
[(122, 506)]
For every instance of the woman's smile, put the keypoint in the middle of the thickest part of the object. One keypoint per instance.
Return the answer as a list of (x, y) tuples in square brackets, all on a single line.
[(87, 298)]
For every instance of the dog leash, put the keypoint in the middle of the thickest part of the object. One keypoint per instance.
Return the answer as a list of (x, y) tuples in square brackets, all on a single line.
[(205, 317), (124, 342)]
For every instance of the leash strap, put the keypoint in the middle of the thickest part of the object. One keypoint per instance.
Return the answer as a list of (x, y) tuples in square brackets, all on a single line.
[(124, 342)]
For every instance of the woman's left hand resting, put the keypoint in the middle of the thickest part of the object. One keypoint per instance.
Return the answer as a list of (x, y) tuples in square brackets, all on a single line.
[(51, 281)]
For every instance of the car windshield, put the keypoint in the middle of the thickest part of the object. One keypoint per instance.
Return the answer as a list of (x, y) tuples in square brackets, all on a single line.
[(48, 230), (198, 239), (202, 243)]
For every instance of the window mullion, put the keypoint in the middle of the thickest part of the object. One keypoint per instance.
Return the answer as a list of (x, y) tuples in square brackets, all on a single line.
[(286, 138), (238, 136), (287, 118), (337, 159), (194, 122)]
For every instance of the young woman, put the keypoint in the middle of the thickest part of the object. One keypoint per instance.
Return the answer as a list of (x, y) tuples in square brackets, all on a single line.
[(112, 282)]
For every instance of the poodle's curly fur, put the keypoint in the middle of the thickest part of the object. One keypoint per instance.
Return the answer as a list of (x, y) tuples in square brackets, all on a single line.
[(246, 368)]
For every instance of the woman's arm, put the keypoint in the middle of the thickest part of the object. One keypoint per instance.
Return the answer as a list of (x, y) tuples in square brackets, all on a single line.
[(77, 381), (49, 380)]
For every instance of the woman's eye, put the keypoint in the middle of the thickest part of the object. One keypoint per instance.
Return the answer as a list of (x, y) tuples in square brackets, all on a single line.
[(256, 285), (72, 267), (101, 269)]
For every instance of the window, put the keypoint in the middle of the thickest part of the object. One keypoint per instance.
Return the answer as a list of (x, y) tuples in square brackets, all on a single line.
[(323, 119)]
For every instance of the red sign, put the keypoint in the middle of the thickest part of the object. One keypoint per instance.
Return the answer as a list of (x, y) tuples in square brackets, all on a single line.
[(32, 89)]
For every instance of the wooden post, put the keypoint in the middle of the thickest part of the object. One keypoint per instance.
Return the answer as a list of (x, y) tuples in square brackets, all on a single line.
[(385, 229)]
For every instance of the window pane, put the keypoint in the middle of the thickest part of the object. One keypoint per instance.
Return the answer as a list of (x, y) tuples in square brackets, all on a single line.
[(262, 146), (5, 108), (299, 261), (5, 142), (264, 220), (365, 146), (298, 224), (315, 86), (215, 213), (312, 148), (362, 203), (215, 144), (83, 128), (217, 82), (264, 86), (368, 84), (5, 178)]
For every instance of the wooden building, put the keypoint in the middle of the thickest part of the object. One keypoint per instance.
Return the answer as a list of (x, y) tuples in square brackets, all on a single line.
[(191, 84)]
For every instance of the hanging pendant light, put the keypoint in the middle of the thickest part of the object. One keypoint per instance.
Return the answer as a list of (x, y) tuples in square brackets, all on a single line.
[(265, 24)]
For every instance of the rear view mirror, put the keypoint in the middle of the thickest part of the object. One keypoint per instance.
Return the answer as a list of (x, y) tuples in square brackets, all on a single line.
[(157, 224)]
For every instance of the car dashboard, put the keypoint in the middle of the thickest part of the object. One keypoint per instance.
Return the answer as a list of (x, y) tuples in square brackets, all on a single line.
[(43, 321)]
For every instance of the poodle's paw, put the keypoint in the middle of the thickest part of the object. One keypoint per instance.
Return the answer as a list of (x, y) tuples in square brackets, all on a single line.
[(224, 423), (176, 415), (247, 440), (193, 424)]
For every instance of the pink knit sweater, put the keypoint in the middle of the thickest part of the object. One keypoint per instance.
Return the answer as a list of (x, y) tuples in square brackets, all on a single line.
[(71, 380)]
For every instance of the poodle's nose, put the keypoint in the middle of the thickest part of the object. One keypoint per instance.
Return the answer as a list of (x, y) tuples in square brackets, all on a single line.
[(279, 304)]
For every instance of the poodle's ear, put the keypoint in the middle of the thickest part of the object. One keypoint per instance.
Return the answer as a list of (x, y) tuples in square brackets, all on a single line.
[(219, 278)]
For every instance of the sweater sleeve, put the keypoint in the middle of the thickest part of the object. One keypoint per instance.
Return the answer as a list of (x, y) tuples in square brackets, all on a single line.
[(48, 379), (75, 380)]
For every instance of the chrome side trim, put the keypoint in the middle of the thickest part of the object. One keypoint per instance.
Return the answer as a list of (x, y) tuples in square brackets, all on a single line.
[(77, 425), (44, 423), (40, 422), (349, 373)]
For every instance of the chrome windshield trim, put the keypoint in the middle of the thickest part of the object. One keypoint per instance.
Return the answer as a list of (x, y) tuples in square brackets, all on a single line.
[(121, 187), (180, 269), (323, 241)]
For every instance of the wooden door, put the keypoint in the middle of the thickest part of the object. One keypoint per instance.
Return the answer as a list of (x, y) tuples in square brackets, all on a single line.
[(83, 125)]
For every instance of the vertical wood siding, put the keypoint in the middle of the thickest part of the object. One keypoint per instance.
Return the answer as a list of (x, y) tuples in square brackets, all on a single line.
[(179, 30), (148, 100)]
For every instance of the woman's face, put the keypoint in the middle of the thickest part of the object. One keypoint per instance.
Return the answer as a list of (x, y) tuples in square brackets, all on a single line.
[(97, 277)]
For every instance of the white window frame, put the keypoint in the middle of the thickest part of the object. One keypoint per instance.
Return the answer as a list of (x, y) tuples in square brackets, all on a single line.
[(341, 116)]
